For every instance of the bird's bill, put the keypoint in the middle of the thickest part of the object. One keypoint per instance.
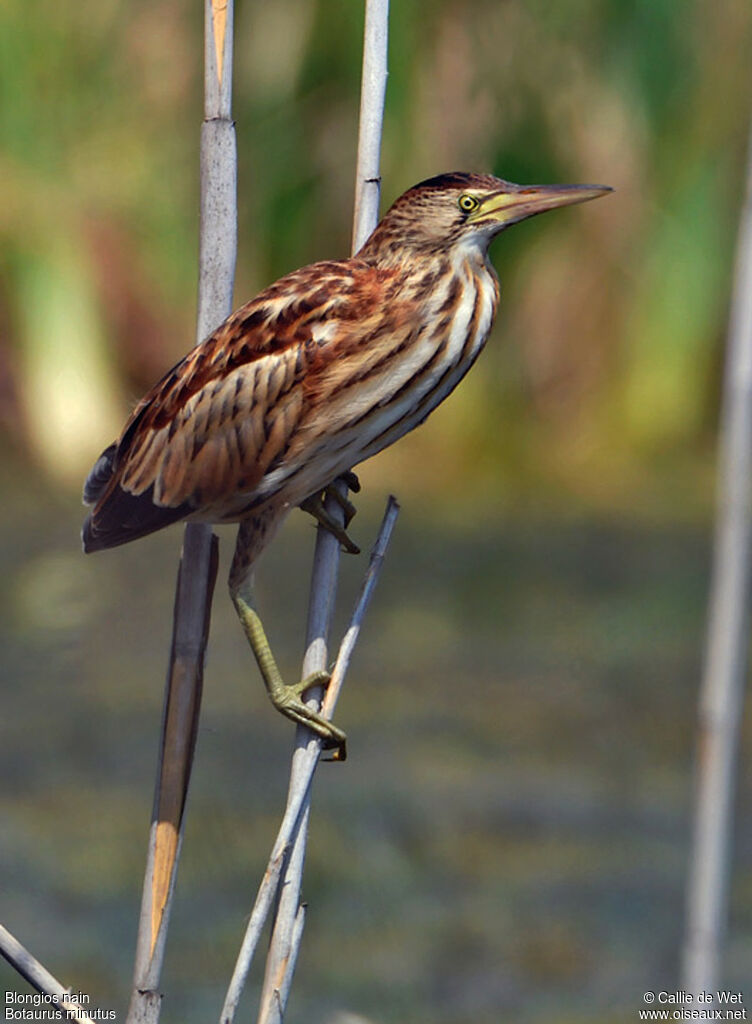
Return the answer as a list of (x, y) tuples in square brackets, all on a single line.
[(522, 201)]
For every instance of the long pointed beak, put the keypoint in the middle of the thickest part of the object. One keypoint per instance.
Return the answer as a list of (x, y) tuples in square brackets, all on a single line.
[(522, 201)]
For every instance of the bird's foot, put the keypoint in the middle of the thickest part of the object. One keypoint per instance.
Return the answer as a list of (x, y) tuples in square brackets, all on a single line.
[(315, 506), (289, 700)]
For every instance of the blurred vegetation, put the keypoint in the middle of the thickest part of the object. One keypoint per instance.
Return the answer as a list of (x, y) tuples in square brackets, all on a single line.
[(601, 380), (517, 852)]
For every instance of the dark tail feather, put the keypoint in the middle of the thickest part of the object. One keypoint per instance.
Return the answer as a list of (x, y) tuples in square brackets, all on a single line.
[(123, 517), (100, 475)]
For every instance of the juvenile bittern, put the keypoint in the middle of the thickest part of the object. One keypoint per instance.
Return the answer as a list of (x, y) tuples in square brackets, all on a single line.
[(320, 371)]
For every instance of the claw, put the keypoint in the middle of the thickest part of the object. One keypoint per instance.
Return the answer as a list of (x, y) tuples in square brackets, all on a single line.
[(315, 507), (339, 750), (351, 481)]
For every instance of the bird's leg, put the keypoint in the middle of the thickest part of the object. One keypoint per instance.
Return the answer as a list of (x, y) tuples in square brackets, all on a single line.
[(286, 697), (315, 506)]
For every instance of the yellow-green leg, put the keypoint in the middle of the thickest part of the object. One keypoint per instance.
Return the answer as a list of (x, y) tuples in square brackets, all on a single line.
[(287, 697)]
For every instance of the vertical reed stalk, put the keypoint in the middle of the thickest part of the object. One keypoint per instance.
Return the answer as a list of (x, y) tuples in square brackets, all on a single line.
[(298, 795), (727, 641), (287, 927), (198, 565)]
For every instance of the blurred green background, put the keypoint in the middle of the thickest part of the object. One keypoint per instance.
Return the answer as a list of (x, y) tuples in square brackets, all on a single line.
[(509, 837)]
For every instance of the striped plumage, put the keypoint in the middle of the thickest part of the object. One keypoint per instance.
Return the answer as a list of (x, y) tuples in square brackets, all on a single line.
[(320, 371), (308, 379)]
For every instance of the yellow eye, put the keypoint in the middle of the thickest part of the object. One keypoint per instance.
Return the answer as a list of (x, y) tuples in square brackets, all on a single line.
[(468, 203)]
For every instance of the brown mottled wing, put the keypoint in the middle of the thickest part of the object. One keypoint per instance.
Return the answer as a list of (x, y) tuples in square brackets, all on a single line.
[(200, 443)]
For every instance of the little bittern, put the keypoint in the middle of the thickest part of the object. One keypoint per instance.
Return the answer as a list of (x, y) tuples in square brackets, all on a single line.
[(320, 371)]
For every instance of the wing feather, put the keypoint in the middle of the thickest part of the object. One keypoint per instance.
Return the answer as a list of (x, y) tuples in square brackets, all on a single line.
[(201, 442)]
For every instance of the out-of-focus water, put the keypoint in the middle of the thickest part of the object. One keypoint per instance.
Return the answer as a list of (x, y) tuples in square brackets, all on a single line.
[(508, 838)]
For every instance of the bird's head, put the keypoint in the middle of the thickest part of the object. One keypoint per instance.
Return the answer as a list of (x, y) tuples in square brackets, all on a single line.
[(466, 210)]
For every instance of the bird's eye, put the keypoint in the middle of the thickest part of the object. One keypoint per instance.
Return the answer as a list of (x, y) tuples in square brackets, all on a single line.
[(468, 203)]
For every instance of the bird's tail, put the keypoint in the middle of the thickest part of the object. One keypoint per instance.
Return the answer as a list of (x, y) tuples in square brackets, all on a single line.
[(118, 516)]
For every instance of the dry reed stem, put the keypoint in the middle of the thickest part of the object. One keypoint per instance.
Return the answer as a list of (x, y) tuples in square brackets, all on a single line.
[(299, 790), (197, 574), (371, 121), (283, 949), (304, 759), (726, 658), (40, 978)]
